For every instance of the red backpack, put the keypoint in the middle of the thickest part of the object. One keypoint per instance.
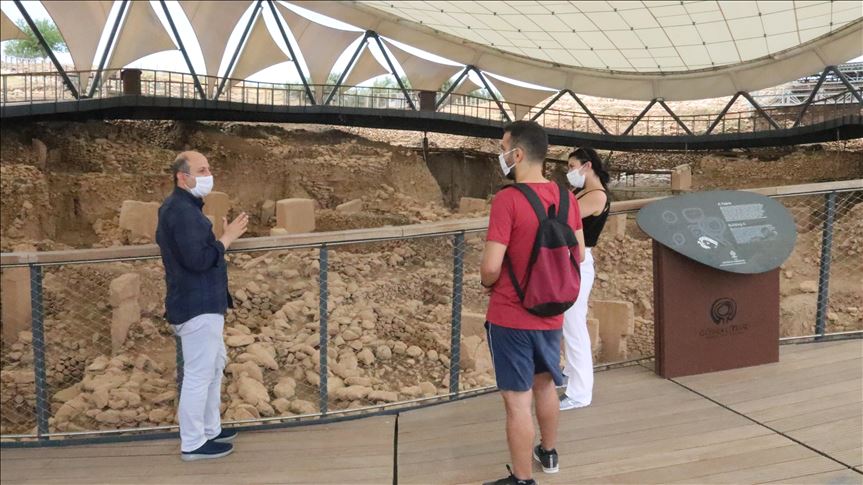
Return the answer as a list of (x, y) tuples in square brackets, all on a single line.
[(553, 277)]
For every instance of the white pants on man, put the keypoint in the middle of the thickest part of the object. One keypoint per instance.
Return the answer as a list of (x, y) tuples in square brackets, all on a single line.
[(579, 356), (204, 359)]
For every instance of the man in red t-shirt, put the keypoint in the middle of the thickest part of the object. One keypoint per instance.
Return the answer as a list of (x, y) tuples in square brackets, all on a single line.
[(525, 348)]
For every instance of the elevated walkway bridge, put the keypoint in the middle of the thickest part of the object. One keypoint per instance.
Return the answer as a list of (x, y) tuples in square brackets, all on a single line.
[(174, 96)]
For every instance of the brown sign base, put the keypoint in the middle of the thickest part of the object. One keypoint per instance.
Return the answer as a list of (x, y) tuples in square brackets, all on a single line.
[(708, 320)]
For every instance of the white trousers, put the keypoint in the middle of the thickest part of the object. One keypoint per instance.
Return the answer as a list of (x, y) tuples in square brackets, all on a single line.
[(579, 357), (204, 359)]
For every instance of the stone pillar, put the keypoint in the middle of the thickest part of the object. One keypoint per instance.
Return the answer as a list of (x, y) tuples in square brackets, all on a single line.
[(474, 354), (472, 324), (268, 211), (125, 294), (17, 307), (351, 207), (593, 331), (616, 226), (40, 151), (140, 218), (616, 323), (296, 216), (681, 178), (217, 205)]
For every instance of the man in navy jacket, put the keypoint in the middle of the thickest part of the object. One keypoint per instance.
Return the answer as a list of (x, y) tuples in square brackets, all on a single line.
[(196, 278)]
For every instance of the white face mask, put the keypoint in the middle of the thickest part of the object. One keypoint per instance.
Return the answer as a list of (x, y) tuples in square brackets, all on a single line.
[(203, 186), (576, 178), (503, 165)]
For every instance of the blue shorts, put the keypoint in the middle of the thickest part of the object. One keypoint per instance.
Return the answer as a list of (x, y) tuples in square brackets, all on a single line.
[(518, 355)]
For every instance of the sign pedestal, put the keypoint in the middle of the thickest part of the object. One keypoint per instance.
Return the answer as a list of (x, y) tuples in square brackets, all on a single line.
[(709, 320)]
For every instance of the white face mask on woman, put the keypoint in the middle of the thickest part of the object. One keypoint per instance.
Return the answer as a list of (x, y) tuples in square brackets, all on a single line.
[(576, 178), (203, 186)]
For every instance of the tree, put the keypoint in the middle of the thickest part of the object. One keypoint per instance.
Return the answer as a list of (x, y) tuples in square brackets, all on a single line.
[(333, 78), (390, 82), (30, 48)]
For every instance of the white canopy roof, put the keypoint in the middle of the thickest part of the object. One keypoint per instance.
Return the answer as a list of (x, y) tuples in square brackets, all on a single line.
[(676, 50), (8, 29)]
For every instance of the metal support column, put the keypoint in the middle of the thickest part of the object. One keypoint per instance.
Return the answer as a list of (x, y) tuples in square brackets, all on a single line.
[(824, 271), (455, 336), (239, 49), (37, 327), (548, 105), (811, 97), (323, 293), (491, 93), (44, 44), (588, 111), (640, 115), (676, 118), (98, 78), (348, 67), (760, 110), (722, 113), (847, 83), (393, 70), (291, 52), (452, 87), (183, 51)]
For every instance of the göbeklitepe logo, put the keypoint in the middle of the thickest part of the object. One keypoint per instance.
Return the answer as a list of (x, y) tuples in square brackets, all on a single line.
[(723, 310)]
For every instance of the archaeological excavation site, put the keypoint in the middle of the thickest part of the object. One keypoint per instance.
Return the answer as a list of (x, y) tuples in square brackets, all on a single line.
[(287, 238), (88, 194)]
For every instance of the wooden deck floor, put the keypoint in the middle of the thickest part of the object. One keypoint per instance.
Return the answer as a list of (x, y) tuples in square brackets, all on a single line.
[(797, 421)]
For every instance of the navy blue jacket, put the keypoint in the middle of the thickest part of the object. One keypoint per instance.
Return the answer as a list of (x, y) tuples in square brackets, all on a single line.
[(196, 274)]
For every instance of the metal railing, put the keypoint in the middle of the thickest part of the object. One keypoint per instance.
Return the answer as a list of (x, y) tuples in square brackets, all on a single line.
[(335, 324), (262, 96)]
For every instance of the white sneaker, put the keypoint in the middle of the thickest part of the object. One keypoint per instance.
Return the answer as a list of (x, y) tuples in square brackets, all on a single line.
[(567, 403)]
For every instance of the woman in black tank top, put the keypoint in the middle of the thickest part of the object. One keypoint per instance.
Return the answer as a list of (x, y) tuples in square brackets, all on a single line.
[(589, 178)]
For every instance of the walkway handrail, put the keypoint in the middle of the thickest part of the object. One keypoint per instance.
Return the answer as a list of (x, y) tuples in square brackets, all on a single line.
[(46, 87), (333, 238)]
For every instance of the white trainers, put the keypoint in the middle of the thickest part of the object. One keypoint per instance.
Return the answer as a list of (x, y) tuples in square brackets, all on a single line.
[(567, 403)]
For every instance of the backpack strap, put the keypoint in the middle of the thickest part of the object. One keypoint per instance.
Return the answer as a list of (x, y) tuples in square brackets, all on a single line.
[(541, 214), (563, 205), (531, 196)]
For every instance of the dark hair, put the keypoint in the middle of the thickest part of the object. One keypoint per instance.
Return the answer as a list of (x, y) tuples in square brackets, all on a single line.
[(587, 154), (181, 164), (530, 137)]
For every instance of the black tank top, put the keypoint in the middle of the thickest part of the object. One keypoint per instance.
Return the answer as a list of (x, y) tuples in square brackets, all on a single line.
[(593, 225)]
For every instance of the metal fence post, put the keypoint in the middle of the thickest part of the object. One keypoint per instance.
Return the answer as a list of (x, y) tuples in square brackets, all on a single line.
[(455, 337), (824, 272), (323, 292), (38, 329)]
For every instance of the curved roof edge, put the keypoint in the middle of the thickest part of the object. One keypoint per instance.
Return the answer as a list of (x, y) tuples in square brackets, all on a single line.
[(808, 58)]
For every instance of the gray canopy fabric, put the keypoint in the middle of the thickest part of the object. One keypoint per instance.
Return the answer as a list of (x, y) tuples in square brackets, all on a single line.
[(676, 50)]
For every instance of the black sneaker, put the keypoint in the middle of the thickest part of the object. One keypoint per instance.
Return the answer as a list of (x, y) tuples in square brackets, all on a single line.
[(226, 436), (548, 459), (209, 450), (511, 480)]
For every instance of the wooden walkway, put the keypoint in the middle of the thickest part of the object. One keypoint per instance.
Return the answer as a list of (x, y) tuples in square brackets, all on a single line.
[(798, 421)]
